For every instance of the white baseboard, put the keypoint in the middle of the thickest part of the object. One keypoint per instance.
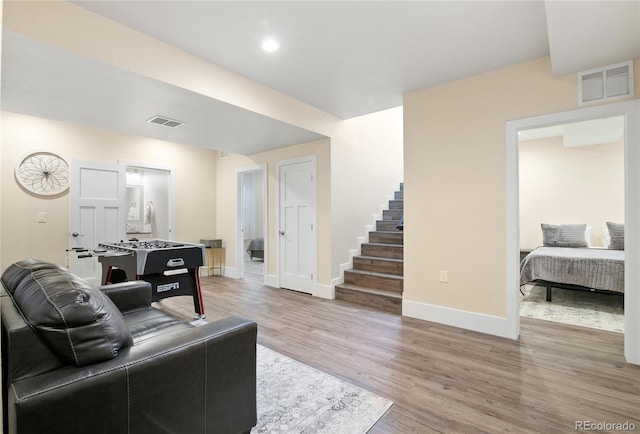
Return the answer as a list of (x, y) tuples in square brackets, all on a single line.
[(271, 280), (489, 324), (231, 272), (324, 291)]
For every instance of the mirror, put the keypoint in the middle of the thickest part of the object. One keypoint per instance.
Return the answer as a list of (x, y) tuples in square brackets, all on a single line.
[(134, 210), (134, 202)]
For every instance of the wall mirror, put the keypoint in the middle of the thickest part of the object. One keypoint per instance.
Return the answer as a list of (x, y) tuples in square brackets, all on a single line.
[(134, 201)]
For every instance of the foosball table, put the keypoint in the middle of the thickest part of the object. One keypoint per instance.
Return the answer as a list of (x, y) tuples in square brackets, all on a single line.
[(171, 267)]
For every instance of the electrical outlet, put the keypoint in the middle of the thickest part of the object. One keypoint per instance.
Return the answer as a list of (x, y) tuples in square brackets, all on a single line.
[(444, 278), (42, 217)]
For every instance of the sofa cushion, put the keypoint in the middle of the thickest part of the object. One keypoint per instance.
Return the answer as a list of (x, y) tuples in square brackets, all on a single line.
[(76, 320)]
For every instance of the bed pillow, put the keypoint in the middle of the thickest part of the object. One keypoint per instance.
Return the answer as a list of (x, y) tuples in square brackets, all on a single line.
[(563, 235), (616, 235)]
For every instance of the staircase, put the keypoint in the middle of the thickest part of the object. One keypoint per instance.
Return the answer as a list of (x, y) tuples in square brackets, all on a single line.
[(376, 278)]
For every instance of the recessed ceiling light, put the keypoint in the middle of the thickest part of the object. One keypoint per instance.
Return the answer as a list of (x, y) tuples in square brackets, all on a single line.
[(270, 45)]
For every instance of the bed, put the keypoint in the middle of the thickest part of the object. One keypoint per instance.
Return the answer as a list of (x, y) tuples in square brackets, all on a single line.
[(592, 269), (566, 261), (256, 248)]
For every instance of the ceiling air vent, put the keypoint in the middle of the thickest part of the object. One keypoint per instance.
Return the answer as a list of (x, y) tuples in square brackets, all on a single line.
[(602, 84), (161, 120)]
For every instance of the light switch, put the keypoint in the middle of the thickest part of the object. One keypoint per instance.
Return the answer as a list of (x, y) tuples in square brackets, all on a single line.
[(444, 277), (42, 217)]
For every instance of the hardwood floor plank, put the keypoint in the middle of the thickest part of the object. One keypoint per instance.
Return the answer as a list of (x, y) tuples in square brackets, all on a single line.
[(441, 378)]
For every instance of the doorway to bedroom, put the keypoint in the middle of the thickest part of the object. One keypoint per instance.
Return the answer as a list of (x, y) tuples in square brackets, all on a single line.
[(252, 224), (572, 209)]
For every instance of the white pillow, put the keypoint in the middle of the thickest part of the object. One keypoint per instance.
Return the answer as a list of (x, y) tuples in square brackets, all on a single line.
[(587, 235)]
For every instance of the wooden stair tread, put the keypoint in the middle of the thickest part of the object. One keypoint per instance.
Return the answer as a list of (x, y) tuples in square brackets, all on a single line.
[(373, 273), (380, 258), (370, 291), (385, 244)]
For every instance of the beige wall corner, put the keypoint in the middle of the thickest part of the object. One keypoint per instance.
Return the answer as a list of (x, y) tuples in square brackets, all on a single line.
[(455, 181), (22, 237)]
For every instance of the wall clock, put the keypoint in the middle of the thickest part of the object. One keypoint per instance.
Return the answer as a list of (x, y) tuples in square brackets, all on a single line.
[(44, 173)]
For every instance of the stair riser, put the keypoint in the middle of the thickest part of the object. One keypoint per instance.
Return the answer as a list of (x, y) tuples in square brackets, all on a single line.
[(387, 225), (386, 237), (396, 204), (375, 282), (378, 266), (398, 195), (392, 214), (377, 302), (391, 252)]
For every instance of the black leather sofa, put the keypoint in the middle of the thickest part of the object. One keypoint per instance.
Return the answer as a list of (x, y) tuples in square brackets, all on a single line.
[(80, 359)]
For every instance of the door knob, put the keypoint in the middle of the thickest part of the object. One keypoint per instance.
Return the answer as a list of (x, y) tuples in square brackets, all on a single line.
[(282, 233), (75, 234)]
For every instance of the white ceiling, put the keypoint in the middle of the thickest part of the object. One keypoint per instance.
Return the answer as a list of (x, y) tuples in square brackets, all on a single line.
[(346, 58)]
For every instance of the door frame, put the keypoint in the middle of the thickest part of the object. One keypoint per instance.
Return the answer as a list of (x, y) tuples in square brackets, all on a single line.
[(314, 251), (631, 112), (172, 191), (238, 207)]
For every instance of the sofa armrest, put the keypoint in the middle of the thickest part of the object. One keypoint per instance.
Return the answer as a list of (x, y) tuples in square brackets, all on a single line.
[(198, 380), (129, 295)]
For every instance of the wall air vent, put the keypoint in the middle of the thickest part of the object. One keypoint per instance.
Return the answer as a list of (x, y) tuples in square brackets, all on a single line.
[(162, 120), (223, 154), (603, 84)]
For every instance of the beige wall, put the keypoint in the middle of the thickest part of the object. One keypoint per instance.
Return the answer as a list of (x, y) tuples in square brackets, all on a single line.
[(227, 169), (560, 185), (455, 181), (21, 236)]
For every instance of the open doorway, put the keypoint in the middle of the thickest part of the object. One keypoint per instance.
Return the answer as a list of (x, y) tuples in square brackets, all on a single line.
[(630, 110), (252, 224), (571, 179)]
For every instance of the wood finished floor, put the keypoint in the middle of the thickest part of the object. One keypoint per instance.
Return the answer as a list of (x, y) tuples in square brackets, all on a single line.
[(440, 378)]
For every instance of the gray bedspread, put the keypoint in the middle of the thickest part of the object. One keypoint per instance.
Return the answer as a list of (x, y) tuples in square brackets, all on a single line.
[(592, 268)]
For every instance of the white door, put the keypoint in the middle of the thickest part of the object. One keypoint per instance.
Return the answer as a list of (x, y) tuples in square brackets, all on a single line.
[(97, 200), (297, 232)]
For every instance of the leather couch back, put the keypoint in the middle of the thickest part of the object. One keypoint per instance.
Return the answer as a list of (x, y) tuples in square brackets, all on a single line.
[(79, 323)]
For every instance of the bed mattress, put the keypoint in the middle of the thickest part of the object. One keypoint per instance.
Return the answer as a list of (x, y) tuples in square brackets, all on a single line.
[(601, 269)]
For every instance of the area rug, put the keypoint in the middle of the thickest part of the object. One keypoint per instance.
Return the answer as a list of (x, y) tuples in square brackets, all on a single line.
[(295, 398), (582, 308)]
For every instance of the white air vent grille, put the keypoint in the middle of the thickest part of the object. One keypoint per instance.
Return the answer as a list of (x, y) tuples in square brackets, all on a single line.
[(610, 82), (162, 120), (223, 154)]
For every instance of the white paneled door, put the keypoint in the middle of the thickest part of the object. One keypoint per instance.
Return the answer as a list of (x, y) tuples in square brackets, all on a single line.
[(297, 225), (97, 212)]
